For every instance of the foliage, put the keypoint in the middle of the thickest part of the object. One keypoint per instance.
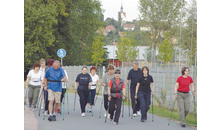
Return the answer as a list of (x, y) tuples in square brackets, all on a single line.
[(126, 49), (161, 16), (51, 25), (165, 50), (97, 49)]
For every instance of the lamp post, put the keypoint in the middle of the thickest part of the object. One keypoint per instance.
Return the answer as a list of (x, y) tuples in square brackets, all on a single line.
[(113, 50)]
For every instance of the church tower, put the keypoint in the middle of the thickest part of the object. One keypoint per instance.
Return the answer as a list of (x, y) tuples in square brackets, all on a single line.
[(122, 15)]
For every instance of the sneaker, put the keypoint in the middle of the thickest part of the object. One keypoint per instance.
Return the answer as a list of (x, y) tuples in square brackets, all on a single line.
[(50, 118), (105, 114), (138, 113), (145, 117), (42, 107), (142, 120), (54, 118), (134, 115), (90, 110), (34, 109), (45, 113), (108, 116), (116, 123), (83, 114), (183, 125), (29, 106)]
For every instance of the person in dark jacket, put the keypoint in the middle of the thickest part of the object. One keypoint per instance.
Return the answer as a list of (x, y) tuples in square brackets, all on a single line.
[(82, 85), (116, 92), (134, 75), (143, 92)]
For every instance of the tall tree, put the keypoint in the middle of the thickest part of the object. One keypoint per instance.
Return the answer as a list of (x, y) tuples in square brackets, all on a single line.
[(165, 50), (97, 49), (161, 15), (39, 19), (126, 49)]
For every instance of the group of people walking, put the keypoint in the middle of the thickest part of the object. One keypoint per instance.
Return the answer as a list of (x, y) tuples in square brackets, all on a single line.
[(52, 78)]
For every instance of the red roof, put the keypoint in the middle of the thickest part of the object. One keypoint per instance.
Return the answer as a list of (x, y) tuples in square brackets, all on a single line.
[(123, 13), (110, 27), (128, 26)]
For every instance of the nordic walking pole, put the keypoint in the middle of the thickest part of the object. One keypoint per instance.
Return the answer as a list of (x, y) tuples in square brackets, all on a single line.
[(122, 108), (91, 100), (45, 103), (63, 105), (96, 96), (74, 101), (67, 98), (172, 111), (40, 106), (152, 108), (101, 106), (128, 101), (195, 109), (107, 112), (133, 108)]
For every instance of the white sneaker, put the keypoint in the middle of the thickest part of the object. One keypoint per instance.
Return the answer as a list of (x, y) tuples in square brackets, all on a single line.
[(105, 114), (138, 113), (45, 113), (108, 116), (83, 114), (134, 115), (42, 107)]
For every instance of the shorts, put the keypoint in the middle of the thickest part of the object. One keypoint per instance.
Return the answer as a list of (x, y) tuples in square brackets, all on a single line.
[(54, 95)]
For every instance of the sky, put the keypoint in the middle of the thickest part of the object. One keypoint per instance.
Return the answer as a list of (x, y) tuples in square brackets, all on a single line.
[(112, 7)]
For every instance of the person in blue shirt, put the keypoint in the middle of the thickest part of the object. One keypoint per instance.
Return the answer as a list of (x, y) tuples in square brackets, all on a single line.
[(134, 75), (82, 85), (56, 75)]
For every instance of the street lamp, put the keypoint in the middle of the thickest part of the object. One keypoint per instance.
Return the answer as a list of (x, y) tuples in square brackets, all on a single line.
[(113, 51)]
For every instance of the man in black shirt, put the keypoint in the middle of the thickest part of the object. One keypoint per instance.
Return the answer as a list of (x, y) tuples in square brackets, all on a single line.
[(134, 75)]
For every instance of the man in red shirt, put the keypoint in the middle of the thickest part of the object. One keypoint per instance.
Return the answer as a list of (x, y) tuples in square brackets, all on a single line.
[(116, 92), (182, 94)]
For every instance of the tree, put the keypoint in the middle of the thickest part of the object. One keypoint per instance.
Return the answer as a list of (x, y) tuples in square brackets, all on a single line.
[(97, 49), (126, 49), (51, 25), (165, 50), (39, 19), (162, 16)]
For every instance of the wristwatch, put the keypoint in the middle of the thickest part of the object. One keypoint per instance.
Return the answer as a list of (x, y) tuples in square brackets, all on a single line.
[(124, 96), (135, 94), (175, 93), (194, 91), (109, 95)]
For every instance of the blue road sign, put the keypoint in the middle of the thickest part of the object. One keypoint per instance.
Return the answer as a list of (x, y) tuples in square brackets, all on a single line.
[(61, 53)]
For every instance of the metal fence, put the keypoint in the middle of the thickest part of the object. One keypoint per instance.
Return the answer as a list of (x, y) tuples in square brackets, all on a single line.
[(164, 81)]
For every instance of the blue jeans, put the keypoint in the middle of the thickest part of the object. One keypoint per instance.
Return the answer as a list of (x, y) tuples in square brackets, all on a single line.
[(144, 103), (92, 95)]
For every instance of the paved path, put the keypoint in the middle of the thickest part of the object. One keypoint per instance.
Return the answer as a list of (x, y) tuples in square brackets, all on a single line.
[(74, 121)]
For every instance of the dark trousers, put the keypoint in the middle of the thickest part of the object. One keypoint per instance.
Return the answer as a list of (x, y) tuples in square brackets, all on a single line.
[(106, 102), (92, 95), (83, 96), (145, 103), (46, 102), (62, 94), (135, 105), (113, 102)]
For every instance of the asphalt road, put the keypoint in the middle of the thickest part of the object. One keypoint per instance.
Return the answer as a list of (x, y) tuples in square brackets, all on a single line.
[(74, 121)]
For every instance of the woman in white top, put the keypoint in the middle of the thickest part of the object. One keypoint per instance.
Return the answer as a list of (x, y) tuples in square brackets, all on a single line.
[(95, 79), (34, 83), (42, 68)]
